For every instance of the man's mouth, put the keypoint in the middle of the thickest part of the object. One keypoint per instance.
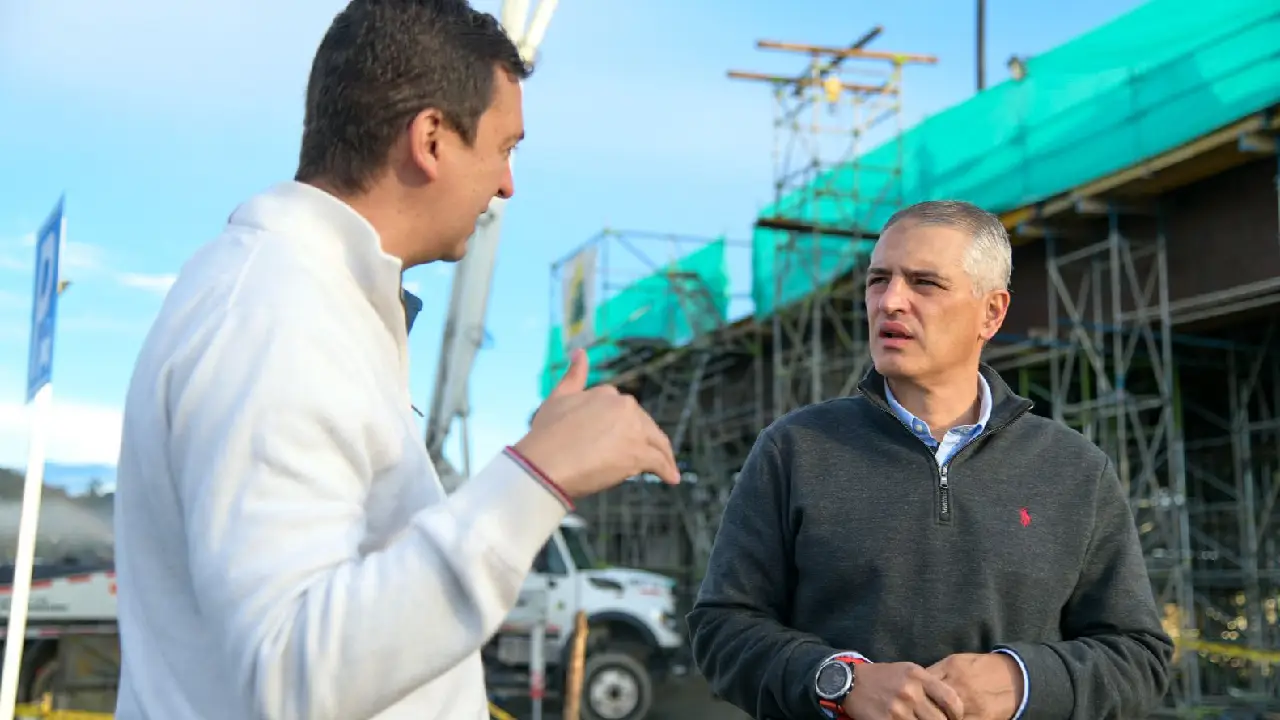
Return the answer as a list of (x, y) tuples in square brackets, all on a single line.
[(893, 331)]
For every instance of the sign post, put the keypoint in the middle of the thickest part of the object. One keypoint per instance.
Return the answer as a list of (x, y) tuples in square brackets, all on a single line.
[(44, 312)]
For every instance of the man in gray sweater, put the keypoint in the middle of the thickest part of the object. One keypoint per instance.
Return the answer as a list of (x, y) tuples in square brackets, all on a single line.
[(930, 549)]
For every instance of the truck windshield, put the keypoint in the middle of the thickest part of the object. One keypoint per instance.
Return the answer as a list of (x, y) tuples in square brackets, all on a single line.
[(575, 538)]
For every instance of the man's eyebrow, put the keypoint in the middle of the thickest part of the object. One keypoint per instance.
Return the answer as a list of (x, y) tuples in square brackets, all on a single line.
[(515, 139), (918, 274)]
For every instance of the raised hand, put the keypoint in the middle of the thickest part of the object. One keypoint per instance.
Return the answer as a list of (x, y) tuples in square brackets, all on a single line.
[(591, 440)]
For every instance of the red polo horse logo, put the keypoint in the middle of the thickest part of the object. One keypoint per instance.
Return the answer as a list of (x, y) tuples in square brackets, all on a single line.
[(1024, 517)]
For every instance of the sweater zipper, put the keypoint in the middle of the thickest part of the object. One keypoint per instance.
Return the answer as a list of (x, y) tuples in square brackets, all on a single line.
[(944, 493), (944, 484), (943, 470)]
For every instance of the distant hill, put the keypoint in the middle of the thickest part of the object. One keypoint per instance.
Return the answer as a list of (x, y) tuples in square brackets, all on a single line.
[(71, 525)]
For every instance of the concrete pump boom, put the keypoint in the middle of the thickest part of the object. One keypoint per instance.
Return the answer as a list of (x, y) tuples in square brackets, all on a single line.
[(472, 277)]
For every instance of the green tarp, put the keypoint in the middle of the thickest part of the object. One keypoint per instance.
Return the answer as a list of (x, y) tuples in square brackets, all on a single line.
[(1160, 76), (684, 298)]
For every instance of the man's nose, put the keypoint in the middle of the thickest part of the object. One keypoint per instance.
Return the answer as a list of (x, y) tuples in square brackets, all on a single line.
[(894, 297), (508, 186)]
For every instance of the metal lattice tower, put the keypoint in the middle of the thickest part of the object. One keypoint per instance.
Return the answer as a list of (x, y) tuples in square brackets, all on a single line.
[(827, 204)]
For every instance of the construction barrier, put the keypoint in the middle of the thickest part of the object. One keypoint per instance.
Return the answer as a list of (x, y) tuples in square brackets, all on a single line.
[(45, 711), (498, 713)]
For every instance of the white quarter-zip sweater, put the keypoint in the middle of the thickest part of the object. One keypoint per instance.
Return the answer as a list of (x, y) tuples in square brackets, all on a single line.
[(284, 548)]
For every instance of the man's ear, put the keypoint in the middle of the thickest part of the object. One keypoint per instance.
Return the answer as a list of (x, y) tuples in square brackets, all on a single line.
[(995, 307), (426, 131)]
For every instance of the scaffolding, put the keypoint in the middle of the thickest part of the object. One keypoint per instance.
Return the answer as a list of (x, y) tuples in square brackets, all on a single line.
[(1111, 376), (1233, 474), (1182, 391), (811, 244), (1123, 188), (661, 333), (805, 340)]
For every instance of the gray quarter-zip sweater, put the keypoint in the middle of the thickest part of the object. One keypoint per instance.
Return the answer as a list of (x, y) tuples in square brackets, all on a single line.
[(844, 533)]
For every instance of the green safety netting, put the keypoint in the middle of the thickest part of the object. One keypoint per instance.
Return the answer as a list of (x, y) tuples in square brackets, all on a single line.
[(1162, 75), (679, 301)]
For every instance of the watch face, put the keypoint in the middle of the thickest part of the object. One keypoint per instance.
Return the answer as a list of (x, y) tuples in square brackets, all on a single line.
[(833, 680)]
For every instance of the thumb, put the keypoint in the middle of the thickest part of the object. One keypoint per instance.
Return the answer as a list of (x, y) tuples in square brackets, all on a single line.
[(575, 378)]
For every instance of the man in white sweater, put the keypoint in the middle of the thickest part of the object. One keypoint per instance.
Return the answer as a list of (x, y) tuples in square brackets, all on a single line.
[(284, 548)]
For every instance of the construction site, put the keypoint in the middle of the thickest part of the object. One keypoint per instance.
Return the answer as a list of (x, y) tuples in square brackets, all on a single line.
[(1136, 170)]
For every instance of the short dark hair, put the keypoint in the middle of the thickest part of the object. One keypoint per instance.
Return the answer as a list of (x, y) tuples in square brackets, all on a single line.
[(384, 61)]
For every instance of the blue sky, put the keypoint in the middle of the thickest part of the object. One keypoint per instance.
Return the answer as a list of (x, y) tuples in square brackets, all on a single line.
[(158, 118)]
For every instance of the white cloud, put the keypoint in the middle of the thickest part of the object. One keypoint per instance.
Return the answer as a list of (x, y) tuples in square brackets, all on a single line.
[(82, 259), (79, 434), (159, 284), (11, 256), (75, 255), (82, 256)]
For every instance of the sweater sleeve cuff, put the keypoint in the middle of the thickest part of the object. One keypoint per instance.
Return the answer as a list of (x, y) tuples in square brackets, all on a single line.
[(1026, 682), (1042, 667), (536, 473)]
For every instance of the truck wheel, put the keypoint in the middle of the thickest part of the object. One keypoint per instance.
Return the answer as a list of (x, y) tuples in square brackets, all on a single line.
[(41, 681), (615, 686)]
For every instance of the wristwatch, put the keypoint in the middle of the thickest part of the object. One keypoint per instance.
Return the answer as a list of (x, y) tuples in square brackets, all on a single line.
[(834, 680)]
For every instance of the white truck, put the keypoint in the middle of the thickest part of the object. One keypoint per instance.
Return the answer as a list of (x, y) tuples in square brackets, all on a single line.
[(72, 644), (634, 637), (73, 647)]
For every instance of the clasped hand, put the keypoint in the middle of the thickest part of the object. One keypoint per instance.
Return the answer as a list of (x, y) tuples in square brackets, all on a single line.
[(966, 686)]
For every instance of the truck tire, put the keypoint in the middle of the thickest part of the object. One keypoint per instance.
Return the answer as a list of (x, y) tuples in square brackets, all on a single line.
[(615, 686), (41, 681)]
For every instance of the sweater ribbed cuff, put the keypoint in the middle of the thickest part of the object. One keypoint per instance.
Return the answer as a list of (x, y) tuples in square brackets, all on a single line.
[(1053, 698)]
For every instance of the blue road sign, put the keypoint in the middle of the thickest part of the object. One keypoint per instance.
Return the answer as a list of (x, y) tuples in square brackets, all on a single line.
[(44, 308)]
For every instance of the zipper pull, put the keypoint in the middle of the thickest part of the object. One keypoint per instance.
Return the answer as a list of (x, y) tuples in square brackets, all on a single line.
[(944, 495)]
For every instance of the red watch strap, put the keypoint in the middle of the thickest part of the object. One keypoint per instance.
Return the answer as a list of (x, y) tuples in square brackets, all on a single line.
[(836, 710)]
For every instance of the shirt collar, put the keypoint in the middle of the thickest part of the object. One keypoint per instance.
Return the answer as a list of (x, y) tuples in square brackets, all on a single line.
[(333, 231), (921, 428), (412, 306)]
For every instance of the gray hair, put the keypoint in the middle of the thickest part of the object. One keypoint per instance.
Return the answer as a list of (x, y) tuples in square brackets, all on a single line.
[(989, 261)]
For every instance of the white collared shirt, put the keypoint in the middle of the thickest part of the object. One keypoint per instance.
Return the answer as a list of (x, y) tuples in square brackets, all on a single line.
[(958, 436), (284, 547)]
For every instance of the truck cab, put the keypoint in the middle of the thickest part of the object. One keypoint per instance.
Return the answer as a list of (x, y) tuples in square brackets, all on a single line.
[(634, 637)]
